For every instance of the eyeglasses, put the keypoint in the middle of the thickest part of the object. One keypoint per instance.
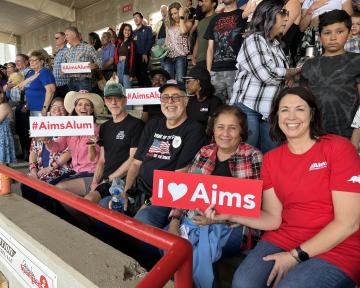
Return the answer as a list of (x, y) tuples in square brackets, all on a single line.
[(284, 12), (33, 60), (165, 98)]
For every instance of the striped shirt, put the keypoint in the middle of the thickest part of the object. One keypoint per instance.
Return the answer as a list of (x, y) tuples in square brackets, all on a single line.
[(60, 79), (82, 52), (261, 73)]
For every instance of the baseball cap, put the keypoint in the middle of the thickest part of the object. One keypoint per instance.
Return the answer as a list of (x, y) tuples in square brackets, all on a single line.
[(114, 89), (198, 73), (172, 83)]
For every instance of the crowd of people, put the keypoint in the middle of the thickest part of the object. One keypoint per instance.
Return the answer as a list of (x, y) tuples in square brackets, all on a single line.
[(273, 94)]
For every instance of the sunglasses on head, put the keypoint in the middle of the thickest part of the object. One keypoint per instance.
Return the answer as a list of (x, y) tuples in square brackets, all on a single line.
[(284, 12)]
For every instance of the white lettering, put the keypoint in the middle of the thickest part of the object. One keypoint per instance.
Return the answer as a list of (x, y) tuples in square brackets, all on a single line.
[(200, 193)]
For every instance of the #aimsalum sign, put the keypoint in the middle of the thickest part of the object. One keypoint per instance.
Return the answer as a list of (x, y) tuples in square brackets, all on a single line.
[(50, 126), (79, 67), (29, 271), (230, 195), (143, 96)]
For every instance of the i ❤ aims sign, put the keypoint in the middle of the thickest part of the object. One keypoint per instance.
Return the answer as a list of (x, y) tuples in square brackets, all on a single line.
[(190, 191)]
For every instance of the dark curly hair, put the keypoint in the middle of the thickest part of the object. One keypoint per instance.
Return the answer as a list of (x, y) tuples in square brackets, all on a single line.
[(316, 127), (121, 31)]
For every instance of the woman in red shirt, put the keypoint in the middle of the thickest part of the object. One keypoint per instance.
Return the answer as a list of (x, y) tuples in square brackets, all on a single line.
[(310, 206)]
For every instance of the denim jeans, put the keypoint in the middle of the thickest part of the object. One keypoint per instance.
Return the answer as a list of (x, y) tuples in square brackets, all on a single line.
[(258, 130), (176, 67), (77, 85), (253, 272), (124, 79), (156, 216)]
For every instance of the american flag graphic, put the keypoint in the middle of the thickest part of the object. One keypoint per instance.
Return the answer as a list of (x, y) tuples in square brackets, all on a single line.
[(160, 147)]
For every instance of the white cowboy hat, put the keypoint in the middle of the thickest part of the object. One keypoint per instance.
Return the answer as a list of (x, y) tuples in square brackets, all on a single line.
[(72, 96)]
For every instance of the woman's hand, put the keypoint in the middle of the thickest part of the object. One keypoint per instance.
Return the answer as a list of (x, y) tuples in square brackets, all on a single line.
[(200, 219), (181, 12), (44, 171), (284, 262), (211, 214), (249, 8), (33, 173)]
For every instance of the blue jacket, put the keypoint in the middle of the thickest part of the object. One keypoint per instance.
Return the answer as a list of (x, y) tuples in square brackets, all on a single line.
[(144, 40)]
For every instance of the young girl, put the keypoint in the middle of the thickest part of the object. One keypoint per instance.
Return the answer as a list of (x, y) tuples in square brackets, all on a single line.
[(7, 147)]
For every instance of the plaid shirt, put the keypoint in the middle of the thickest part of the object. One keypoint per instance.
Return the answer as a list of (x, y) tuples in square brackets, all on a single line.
[(82, 53), (60, 79), (245, 163), (261, 73), (353, 45)]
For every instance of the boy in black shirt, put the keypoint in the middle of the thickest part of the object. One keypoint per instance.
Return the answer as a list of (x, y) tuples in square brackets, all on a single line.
[(334, 77)]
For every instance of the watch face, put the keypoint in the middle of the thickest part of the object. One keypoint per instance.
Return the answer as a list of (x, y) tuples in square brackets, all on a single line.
[(303, 256)]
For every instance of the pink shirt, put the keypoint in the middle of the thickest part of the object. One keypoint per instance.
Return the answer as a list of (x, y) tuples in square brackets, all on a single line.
[(78, 150)]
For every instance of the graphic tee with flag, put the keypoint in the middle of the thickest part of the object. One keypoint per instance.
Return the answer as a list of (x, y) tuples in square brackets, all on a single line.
[(168, 149)]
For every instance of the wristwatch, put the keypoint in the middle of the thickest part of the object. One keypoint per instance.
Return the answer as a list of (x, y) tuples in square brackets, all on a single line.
[(303, 256)]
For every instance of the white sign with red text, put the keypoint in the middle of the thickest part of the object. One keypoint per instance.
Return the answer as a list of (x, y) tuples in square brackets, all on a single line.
[(29, 270), (78, 67), (230, 195), (143, 96), (50, 126)]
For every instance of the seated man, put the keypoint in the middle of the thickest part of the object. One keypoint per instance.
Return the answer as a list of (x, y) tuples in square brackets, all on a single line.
[(119, 138), (167, 143)]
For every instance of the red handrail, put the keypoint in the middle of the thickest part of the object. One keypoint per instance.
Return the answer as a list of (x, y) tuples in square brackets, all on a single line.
[(178, 256)]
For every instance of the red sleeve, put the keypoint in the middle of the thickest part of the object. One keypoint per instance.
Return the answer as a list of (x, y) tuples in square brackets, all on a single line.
[(265, 173), (344, 166)]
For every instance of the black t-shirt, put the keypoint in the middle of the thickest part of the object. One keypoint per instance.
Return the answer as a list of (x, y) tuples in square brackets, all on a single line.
[(168, 149), (117, 139), (192, 13), (334, 80), (226, 30), (201, 111), (222, 168), (199, 15)]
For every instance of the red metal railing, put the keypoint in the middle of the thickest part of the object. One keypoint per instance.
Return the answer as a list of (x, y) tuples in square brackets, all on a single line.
[(177, 259)]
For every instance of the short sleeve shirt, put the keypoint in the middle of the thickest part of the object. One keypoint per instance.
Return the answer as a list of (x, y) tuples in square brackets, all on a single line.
[(304, 184), (168, 149), (333, 80), (35, 90), (226, 30), (117, 139)]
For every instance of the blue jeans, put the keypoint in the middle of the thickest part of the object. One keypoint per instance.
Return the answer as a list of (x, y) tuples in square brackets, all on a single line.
[(152, 215), (253, 272), (124, 79), (176, 67), (77, 85), (258, 130)]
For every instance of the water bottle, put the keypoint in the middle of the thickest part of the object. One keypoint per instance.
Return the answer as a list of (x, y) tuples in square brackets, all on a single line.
[(117, 187), (116, 200)]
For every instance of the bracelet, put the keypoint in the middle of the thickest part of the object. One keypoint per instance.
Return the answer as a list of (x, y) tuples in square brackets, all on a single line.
[(33, 165), (295, 257)]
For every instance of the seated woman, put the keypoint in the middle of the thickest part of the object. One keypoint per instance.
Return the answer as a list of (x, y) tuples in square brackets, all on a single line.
[(44, 165), (229, 156), (310, 204), (84, 150)]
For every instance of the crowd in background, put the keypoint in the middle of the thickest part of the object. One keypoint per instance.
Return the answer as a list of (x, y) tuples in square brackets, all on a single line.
[(264, 90)]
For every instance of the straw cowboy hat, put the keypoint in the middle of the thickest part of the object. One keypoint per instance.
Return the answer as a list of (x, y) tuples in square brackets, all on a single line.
[(72, 96)]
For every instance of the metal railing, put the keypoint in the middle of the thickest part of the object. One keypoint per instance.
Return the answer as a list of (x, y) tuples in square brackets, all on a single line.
[(178, 256)]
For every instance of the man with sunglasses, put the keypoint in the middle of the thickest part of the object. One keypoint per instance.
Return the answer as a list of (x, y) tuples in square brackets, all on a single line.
[(167, 143), (61, 79)]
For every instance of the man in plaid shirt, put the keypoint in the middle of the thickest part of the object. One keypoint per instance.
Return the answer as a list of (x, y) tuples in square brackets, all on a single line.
[(80, 52), (61, 79)]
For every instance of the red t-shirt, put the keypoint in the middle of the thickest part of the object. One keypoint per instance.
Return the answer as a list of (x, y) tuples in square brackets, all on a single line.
[(303, 183)]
